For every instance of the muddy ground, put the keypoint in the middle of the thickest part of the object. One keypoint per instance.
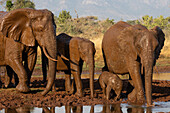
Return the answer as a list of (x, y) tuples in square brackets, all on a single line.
[(10, 98)]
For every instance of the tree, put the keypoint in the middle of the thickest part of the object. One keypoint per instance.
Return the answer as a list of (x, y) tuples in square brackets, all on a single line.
[(161, 22), (16, 4), (150, 22), (110, 21), (23, 4), (9, 5), (147, 21), (63, 16)]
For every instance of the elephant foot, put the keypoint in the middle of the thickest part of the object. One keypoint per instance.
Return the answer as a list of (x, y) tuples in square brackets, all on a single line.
[(69, 89), (104, 96), (136, 97), (79, 94), (22, 88), (132, 97), (150, 105), (140, 97), (107, 98)]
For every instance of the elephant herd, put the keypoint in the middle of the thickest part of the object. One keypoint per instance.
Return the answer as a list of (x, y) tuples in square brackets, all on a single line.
[(127, 49)]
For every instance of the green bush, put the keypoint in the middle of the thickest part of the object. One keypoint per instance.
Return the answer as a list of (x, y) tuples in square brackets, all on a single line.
[(150, 22), (63, 16)]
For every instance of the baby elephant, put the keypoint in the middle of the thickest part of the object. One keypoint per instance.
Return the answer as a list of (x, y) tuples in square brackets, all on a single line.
[(112, 81)]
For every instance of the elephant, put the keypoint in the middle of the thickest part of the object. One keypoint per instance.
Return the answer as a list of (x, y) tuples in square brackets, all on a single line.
[(21, 32), (133, 49), (110, 81), (77, 50)]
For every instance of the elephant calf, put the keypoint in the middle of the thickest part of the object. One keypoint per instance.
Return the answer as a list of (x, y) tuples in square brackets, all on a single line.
[(113, 82)]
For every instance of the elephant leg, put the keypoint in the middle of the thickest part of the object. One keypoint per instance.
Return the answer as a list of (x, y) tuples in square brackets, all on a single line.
[(108, 89), (30, 62), (69, 87), (22, 75), (76, 73), (103, 86), (118, 92), (137, 95), (8, 77)]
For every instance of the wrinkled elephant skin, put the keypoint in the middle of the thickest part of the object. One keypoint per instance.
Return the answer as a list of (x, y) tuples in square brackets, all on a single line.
[(110, 81), (133, 50), (77, 50), (21, 32)]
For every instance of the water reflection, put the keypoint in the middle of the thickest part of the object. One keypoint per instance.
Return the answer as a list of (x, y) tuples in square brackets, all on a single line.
[(18, 110), (138, 110), (46, 110), (115, 108), (75, 109)]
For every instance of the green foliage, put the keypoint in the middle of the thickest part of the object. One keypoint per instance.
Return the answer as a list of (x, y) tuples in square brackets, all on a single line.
[(16, 4), (110, 21), (9, 5), (23, 4), (132, 22), (63, 16), (151, 22)]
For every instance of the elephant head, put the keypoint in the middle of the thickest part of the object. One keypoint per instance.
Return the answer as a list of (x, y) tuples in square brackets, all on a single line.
[(145, 47), (32, 28)]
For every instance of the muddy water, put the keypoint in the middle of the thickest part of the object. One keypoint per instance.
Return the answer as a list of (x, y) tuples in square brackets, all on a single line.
[(160, 107)]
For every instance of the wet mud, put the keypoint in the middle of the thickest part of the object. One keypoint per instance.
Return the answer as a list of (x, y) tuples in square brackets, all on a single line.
[(10, 98)]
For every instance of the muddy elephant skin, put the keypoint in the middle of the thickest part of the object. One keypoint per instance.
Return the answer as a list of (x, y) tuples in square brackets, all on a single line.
[(133, 50), (21, 32), (77, 50), (110, 81)]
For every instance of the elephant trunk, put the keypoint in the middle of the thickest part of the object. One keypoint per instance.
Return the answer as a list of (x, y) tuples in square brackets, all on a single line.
[(148, 66), (51, 49), (91, 74)]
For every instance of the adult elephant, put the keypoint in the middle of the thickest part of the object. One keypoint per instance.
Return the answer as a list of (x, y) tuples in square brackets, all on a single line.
[(22, 30), (134, 50), (77, 50)]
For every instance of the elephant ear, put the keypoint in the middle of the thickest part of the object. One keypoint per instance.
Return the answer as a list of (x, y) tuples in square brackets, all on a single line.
[(74, 49), (16, 25), (160, 36)]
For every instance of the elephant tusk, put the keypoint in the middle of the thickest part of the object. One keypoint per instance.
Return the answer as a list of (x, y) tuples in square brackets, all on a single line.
[(48, 55), (62, 56)]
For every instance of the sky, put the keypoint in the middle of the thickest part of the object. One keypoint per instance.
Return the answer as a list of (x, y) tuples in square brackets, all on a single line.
[(103, 9)]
